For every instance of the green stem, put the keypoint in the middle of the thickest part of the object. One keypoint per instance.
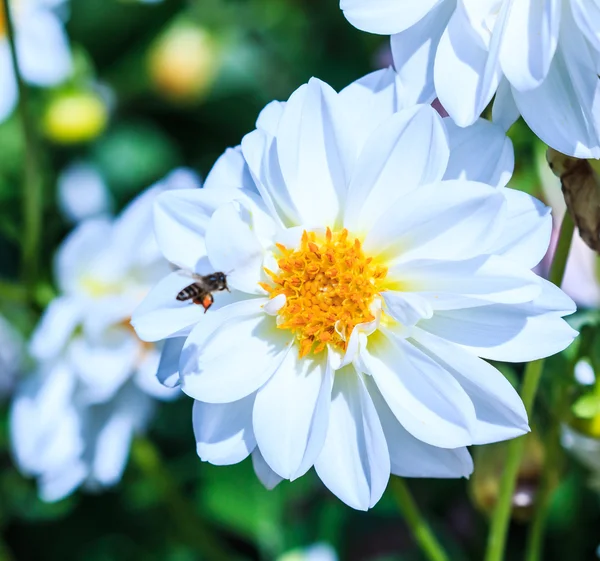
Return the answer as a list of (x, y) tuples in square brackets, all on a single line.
[(192, 527), (32, 181), (417, 524), (501, 517)]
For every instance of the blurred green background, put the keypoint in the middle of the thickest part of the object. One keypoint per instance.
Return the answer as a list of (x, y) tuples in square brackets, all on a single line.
[(157, 86)]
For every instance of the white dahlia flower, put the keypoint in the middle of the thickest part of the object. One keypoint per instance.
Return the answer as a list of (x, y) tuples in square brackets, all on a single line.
[(95, 385), (540, 57), (42, 48), (373, 256)]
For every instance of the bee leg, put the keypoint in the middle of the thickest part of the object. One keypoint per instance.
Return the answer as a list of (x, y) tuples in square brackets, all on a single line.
[(207, 302)]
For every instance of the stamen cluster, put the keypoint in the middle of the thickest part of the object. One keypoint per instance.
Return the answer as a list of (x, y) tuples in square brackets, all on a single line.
[(329, 286)]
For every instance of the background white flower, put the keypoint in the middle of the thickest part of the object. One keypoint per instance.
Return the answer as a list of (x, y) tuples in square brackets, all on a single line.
[(12, 353), (42, 49), (72, 421), (382, 257), (539, 57)]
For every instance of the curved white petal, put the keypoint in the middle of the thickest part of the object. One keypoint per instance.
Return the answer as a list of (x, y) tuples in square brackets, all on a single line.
[(369, 102), (234, 248), (168, 367), (467, 71), (407, 308), (161, 315), (354, 462), (411, 457), (43, 48), (425, 398), (56, 326), (264, 473), (223, 431), (385, 16), (511, 333), (414, 51), (181, 218), (74, 258), (230, 171), (410, 149), (481, 152), (571, 92), (527, 229), (587, 16), (529, 41), (232, 352), (504, 109), (311, 153), (291, 413), (8, 84), (446, 220), (270, 116), (457, 284), (500, 412)]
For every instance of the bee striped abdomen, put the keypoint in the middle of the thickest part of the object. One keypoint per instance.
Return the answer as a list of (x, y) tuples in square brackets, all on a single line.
[(190, 292)]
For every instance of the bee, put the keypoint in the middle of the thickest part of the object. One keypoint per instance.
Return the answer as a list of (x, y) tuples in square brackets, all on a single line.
[(200, 291)]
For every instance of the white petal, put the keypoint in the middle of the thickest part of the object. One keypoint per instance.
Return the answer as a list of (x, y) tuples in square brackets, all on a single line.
[(411, 457), (264, 473), (504, 110), (453, 284), (232, 353), (234, 249), (527, 229), (481, 152), (572, 91), (273, 306), (147, 370), (168, 367), (230, 171), (56, 327), (511, 333), (223, 431), (462, 60), (409, 150), (161, 315), (76, 254), (43, 49), (385, 16), (369, 102), (500, 412), (180, 221), (425, 398), (354, 462), (446, 220), (269, 117), (310, 146), (8, 84), (60, 483), (414, 52), (587, 16), (103, 366), (291, 410), (529, 41), (407, 308), (112, 449)]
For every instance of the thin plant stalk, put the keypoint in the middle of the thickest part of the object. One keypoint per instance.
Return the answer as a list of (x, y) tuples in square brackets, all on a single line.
[(193, 529), (421, 531), (32, 180), (498, 534)]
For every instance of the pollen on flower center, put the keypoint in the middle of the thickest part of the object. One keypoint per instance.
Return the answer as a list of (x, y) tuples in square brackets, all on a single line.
[(329, 286)]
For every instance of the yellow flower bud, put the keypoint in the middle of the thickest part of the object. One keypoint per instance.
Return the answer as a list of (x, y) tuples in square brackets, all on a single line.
[(75, 117), (183, 63)]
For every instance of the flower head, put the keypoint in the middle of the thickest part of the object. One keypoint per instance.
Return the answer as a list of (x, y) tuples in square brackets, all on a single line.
[(373, 255), (539, 58), (94, 386)]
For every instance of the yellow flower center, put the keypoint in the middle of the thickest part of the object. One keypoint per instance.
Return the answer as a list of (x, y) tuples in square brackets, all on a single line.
[(329, 286)]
